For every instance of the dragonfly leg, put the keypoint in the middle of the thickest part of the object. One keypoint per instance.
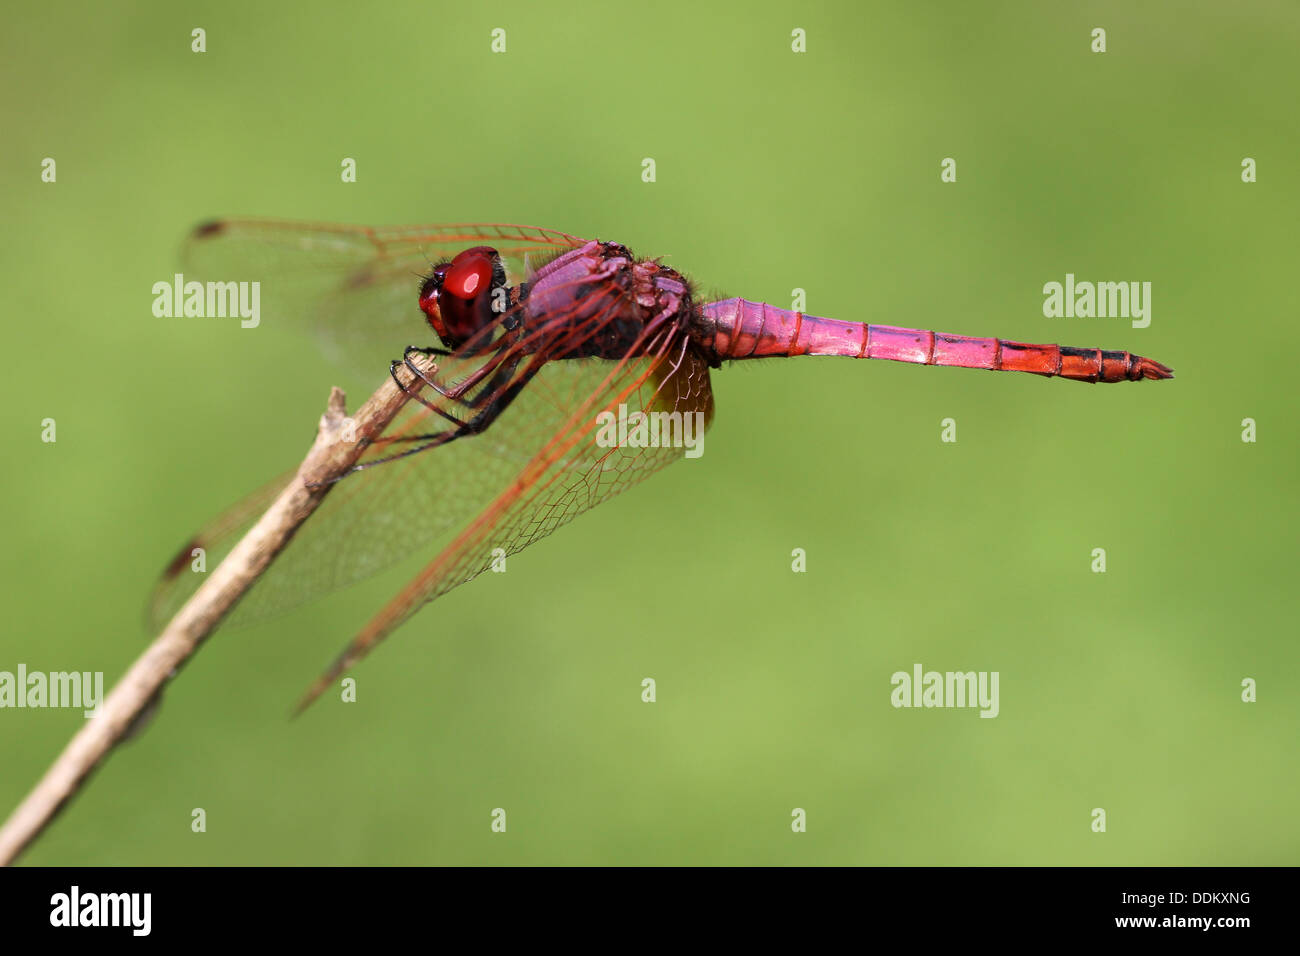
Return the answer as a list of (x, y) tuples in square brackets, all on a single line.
[(508, 354), (425, 351), (406, 388), (498, 401), (456, 392)]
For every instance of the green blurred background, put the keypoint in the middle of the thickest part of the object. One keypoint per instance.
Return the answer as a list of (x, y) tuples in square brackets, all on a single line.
[(775, 170)]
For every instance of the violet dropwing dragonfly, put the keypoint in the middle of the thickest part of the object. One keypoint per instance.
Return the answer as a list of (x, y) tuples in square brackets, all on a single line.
[(539, 333)]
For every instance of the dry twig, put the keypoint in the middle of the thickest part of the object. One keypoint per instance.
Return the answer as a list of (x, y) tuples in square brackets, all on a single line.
[(331, 455)]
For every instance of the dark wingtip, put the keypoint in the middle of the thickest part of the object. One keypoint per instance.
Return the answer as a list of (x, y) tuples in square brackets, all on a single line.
[(309, 698), (332, 673), (303, 703), (206, 230), (182, 559), (360, 279)]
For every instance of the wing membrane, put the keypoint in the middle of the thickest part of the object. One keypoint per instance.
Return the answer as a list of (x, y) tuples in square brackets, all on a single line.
[(378, 517), (571, 474), (354, 288)]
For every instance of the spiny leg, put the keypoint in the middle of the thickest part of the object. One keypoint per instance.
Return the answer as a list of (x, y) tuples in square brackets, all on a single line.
[(507, 355), (417, 373), (499, 382), (498, 403)]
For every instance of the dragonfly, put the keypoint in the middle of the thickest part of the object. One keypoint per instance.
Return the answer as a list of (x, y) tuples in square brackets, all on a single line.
[(544, 340)]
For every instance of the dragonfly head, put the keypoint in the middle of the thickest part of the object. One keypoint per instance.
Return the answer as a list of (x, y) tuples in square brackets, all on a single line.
[(463, 297)]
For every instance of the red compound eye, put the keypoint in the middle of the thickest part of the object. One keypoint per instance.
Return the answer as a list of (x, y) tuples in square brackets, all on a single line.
[(469, 274), (457, 297)]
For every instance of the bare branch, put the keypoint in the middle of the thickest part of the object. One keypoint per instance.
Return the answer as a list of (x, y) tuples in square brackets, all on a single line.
[(329, 458)]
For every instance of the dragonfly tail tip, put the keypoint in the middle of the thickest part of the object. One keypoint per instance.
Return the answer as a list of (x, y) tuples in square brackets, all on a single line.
[(1150, 368)]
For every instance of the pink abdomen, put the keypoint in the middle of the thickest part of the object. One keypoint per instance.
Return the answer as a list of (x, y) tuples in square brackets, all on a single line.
[(734, 329)]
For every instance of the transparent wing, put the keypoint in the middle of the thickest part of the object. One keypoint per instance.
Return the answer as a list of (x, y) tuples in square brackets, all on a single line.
[(576, 469), (213, 542), (354, 288), (538, 466)]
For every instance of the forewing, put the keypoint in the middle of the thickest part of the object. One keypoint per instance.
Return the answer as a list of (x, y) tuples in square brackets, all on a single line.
[(207, 549), (355, 288)]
